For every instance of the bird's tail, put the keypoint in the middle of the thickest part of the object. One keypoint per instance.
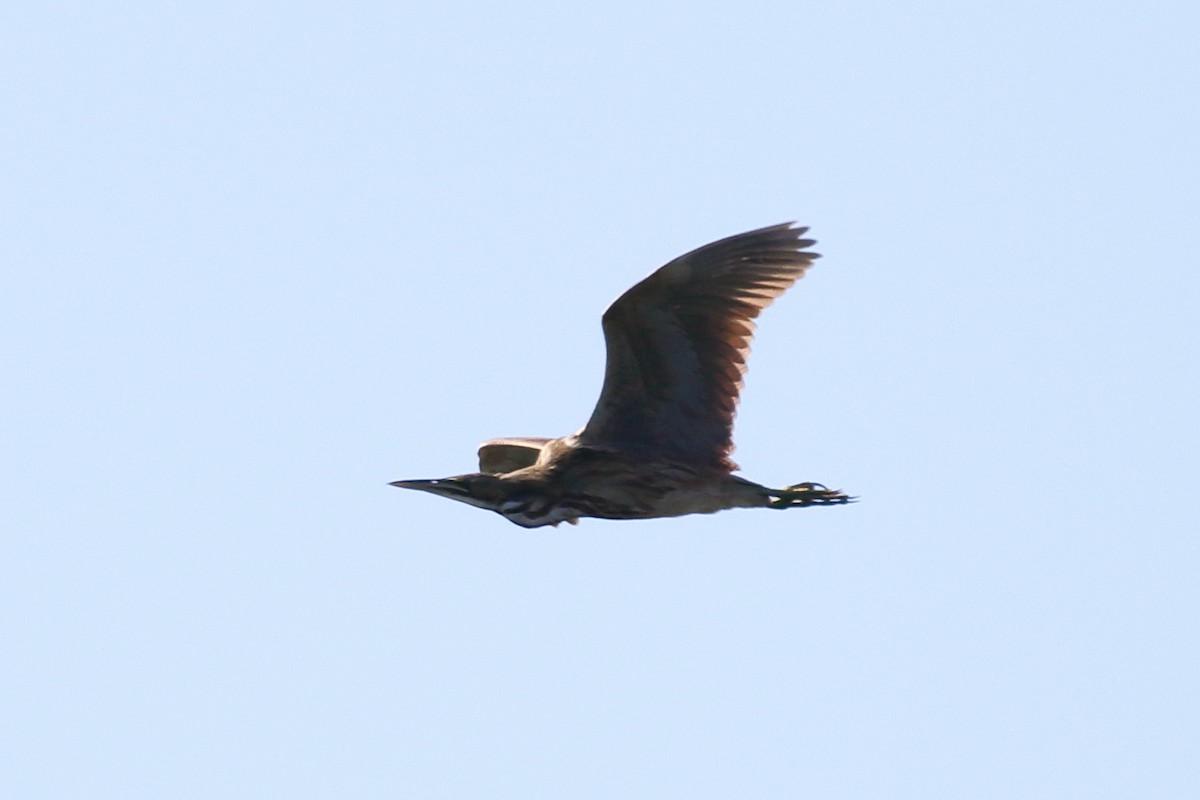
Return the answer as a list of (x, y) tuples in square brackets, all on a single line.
[(807, 494)]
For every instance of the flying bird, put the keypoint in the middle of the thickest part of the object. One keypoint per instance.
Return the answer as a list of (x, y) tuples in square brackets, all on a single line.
[(659, 440)]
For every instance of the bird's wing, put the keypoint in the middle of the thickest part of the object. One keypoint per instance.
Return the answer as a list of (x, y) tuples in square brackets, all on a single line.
[(678, 342), (498, 456)]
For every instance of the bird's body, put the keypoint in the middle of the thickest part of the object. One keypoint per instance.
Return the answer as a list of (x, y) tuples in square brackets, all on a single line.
[(658, 442)]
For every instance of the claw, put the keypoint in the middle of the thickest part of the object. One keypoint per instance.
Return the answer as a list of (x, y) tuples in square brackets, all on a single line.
[(809, 494)]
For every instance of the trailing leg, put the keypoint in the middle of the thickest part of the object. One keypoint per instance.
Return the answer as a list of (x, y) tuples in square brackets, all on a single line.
[(807, 494)]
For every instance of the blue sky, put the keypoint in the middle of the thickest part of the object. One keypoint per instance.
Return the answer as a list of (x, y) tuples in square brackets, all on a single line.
[(261, 259)]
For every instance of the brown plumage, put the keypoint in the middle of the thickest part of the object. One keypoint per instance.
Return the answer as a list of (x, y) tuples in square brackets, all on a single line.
[(678, 342), (659, 440)]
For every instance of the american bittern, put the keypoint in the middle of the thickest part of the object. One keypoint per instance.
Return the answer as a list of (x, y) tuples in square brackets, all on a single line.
[(659, 439)]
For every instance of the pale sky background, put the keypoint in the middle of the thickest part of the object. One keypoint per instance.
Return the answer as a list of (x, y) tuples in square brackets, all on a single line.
[(262, 258)]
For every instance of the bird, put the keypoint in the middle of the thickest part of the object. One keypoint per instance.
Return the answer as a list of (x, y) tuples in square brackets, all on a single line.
[(659, 440)]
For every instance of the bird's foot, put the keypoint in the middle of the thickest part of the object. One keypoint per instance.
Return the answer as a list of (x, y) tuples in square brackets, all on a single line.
[(808, 494)]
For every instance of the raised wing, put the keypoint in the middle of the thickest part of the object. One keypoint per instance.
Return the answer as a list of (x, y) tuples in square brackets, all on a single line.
[(498, 456), (678, 342)]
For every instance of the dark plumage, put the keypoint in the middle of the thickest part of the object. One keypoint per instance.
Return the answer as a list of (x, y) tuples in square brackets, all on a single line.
[(678, 343), (659, 439)]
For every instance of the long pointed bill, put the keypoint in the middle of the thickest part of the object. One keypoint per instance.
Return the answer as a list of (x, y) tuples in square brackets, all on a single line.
[(447, 487), (456, 488)]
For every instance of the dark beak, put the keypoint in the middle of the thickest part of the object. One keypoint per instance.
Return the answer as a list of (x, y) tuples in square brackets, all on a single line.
[(443, 486)]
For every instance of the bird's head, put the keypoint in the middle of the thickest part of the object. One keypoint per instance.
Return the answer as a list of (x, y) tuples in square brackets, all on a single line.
[(476, 489)]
